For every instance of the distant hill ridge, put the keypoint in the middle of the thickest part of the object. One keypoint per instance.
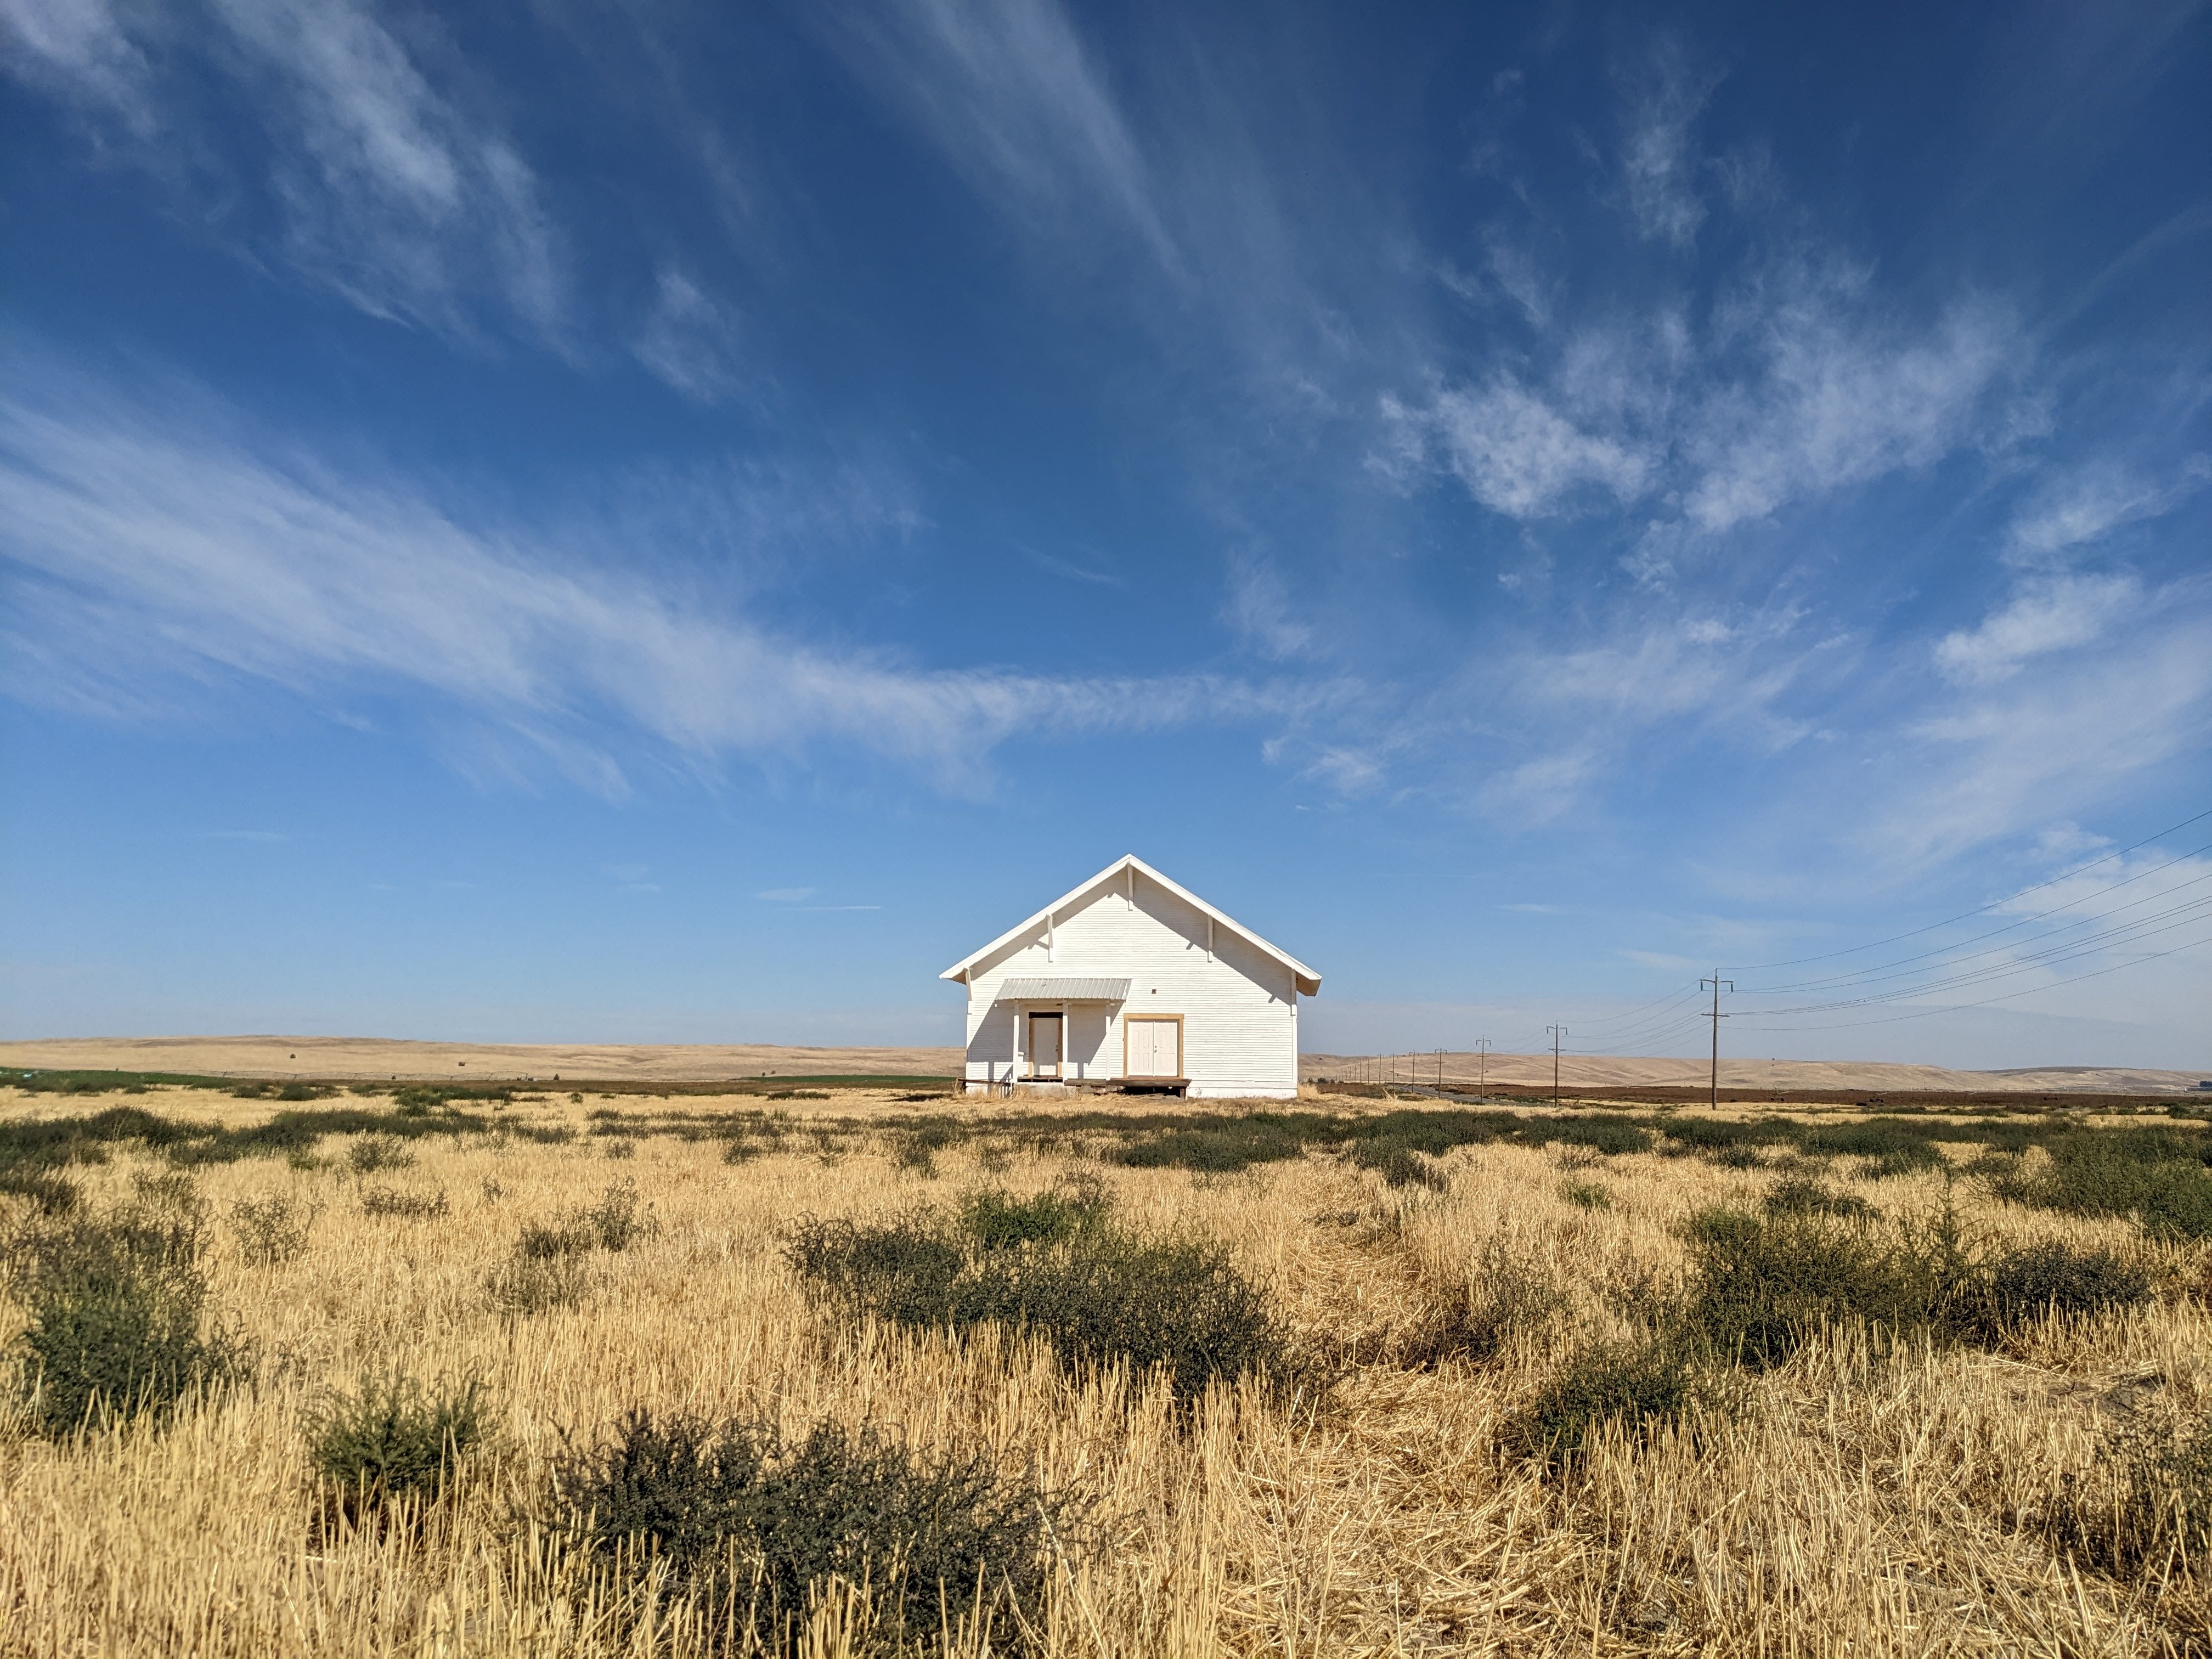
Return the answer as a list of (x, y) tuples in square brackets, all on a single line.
[(1517, 1072)]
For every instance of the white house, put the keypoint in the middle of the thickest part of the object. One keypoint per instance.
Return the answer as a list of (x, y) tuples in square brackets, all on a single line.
[(1133, 981)]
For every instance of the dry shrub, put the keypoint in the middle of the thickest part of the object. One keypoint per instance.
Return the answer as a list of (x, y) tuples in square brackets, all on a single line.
[(396, 1203), (617, 1221), (49, 1192), (1472, 1323), (273, 1230), (754, 1530), (2143, 1510), (523, 1284), (372, 1154)]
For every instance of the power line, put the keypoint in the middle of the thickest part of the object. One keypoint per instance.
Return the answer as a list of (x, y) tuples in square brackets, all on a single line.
[(1957, 1007), (1759, 967), (1630, 1014), (1868, 973), (1984, 976), (1674, 1015), (2049, 947)]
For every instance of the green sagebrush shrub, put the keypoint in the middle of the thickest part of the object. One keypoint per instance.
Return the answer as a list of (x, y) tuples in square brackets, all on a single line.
[(393, 1446), (752, 1528), (118, 1322), (1093, 1292), (1586, 1194), (1760, 1285), (1639, 1386), (2158, 1176), (2035, 1280), (371, 1154), (1802, 1195)]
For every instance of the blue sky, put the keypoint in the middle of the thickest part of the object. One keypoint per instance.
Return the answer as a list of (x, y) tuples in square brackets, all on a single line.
[(674, 522)]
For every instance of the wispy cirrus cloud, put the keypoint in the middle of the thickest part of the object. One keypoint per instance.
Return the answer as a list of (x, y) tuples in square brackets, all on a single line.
[(1016, 102), (690, 342), (81, 50), (2088, 504), (2122, 686), (2043, 616), (1666, 90), (386, 186), (1801, 386), (146, 556)]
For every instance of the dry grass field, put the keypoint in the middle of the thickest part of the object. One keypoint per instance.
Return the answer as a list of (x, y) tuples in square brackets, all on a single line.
[(1388, 1487)]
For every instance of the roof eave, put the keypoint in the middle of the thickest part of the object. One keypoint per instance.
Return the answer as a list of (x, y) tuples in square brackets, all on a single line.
[(1308, 982)]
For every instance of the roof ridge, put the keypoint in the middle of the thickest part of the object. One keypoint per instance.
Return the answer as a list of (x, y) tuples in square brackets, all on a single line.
[(1305, 978)]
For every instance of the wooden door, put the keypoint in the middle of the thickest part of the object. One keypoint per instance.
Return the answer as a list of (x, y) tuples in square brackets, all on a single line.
[(1045, 1035), (1155, 1046)]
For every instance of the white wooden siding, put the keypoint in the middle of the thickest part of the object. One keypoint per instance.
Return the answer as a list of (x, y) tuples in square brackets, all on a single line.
[(1239, 1005)]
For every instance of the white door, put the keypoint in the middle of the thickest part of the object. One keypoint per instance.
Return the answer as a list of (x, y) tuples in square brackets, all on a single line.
[(1155, 1048), (1044, 1045)]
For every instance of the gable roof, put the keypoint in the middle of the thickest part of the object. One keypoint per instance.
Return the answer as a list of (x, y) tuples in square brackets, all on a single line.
[(1308, 980)]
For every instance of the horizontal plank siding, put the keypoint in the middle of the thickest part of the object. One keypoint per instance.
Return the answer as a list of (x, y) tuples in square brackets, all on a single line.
[(1239, 1006)]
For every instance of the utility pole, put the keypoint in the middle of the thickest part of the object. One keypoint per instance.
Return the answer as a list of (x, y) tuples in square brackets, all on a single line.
[(1558, 1033), (1717, 1016), (1482, 1064)]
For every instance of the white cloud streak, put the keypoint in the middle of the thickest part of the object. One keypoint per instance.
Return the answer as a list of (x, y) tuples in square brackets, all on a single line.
[(146, 558), (2088, 505), (1009, 94), (1658, 169), (688, 341), (79, 50), (390, 192), (1798, 390), (2121, 687), (2044, 616)]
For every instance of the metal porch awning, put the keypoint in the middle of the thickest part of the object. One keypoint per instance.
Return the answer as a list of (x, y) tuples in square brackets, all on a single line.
[(1068, 989)]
